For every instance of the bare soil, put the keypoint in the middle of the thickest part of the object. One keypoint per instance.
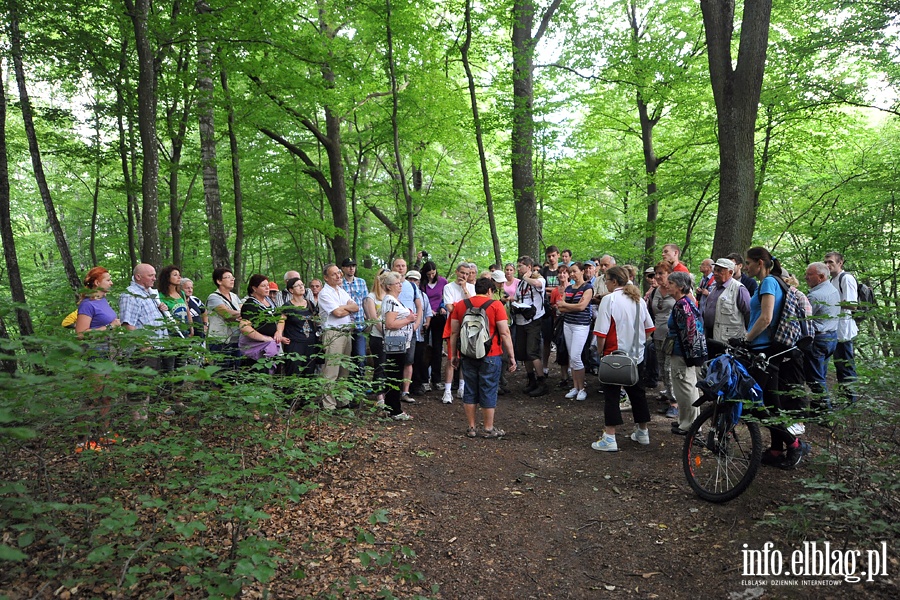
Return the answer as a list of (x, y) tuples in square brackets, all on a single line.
[(539, 514)]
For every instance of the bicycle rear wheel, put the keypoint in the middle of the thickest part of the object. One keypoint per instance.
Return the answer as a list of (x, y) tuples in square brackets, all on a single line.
[(721, 459)]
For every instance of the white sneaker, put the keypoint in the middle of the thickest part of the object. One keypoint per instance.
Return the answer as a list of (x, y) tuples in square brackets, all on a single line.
[(797, 429), (606, 443), (572, 393), (448, 397), (641, 436), (460, 391), (426, 387), (582, 396)]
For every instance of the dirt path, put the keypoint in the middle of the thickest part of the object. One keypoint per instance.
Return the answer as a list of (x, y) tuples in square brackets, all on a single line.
[(540, 514)]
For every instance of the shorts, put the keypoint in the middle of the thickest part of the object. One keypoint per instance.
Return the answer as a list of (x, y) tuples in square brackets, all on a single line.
[(410, 357), (482, 377), (528, 340)]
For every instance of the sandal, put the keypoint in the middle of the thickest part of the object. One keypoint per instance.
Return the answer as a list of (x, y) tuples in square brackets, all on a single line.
[(493, 433), (470, 432)]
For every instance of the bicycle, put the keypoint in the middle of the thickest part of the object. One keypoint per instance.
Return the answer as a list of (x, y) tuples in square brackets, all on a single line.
[(722, 450)]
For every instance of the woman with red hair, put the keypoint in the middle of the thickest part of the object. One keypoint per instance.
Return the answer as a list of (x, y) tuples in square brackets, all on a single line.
[(96, 315), (94, 311)]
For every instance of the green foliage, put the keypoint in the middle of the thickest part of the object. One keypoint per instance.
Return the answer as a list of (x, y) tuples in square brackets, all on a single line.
[(174, 504), (850, 488)]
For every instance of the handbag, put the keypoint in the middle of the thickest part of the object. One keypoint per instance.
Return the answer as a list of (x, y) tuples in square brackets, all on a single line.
[(395, 340), (618, 368)]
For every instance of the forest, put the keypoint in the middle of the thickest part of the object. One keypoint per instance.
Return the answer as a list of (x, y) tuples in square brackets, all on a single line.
[(277, 135), (269, 136)]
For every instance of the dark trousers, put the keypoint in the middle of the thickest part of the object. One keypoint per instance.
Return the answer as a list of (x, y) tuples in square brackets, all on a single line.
[(393, 375), (612, 411), (845, 365), (436, 343)]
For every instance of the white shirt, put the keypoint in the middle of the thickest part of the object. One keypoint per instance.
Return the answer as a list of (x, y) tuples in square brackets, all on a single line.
[(618, 309), (532, 295), (847, 328), (329, 299), (453, 293)]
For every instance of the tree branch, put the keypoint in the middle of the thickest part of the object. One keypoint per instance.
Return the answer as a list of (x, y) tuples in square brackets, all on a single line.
[(311, 168)]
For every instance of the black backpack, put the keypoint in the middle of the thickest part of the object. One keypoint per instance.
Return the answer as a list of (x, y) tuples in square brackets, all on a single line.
[(865, 298)]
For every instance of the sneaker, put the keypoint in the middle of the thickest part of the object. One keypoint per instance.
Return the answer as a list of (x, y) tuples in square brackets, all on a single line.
[(797, 429), (426, 387), (772, 458), (572, 393), (448, 397), (641, 436), (89, 445), (402, 417), (405, 397), (606, 443), (564, 384), (459, 392), (582, 395), (672, 412), (493, 433), (417, 391), (625, 404), (791, 459)]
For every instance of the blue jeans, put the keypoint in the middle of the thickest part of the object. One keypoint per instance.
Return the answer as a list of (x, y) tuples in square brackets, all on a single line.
[(815, 366), (482, 377), (358, 351), (845, 366)]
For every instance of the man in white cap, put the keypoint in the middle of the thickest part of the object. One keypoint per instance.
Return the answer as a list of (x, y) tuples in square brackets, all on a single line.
[(727, 308)]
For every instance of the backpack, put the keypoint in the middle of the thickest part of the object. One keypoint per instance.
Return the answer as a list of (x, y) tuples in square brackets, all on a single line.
[(475, 331), (865, 298), (791, 325)]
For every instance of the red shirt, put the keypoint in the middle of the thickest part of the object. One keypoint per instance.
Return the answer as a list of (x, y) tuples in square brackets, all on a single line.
[(495, 314), (679, 266)]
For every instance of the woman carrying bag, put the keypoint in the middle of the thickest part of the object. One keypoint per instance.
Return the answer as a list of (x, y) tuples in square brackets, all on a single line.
[(688, 350), (397, 323), (622, 327)]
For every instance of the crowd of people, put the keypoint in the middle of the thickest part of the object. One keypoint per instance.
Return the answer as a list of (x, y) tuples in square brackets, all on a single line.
[(414, 327)]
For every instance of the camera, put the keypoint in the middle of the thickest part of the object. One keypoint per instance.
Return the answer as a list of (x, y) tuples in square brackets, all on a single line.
[(424, 255)]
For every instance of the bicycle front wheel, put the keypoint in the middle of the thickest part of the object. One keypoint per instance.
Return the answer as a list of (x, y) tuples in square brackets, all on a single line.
[(720, 458)]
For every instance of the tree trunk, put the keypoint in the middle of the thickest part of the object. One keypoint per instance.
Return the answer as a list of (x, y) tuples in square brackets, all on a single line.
[(736, 91), (523, 130), (15, 40), (126, 150), (485, 180), (236, 182), (522, 136), (139, 11), (651, 163), (6, 232), (95, 196), (401, 173), (218, 245)]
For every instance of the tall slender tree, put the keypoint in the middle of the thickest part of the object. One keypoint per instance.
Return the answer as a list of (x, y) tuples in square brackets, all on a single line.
[(218, 245), (6, 231), (139, 11), (15, 39)]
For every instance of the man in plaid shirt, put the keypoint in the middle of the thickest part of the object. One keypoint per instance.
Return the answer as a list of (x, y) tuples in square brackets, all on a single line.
[(358, 290)]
